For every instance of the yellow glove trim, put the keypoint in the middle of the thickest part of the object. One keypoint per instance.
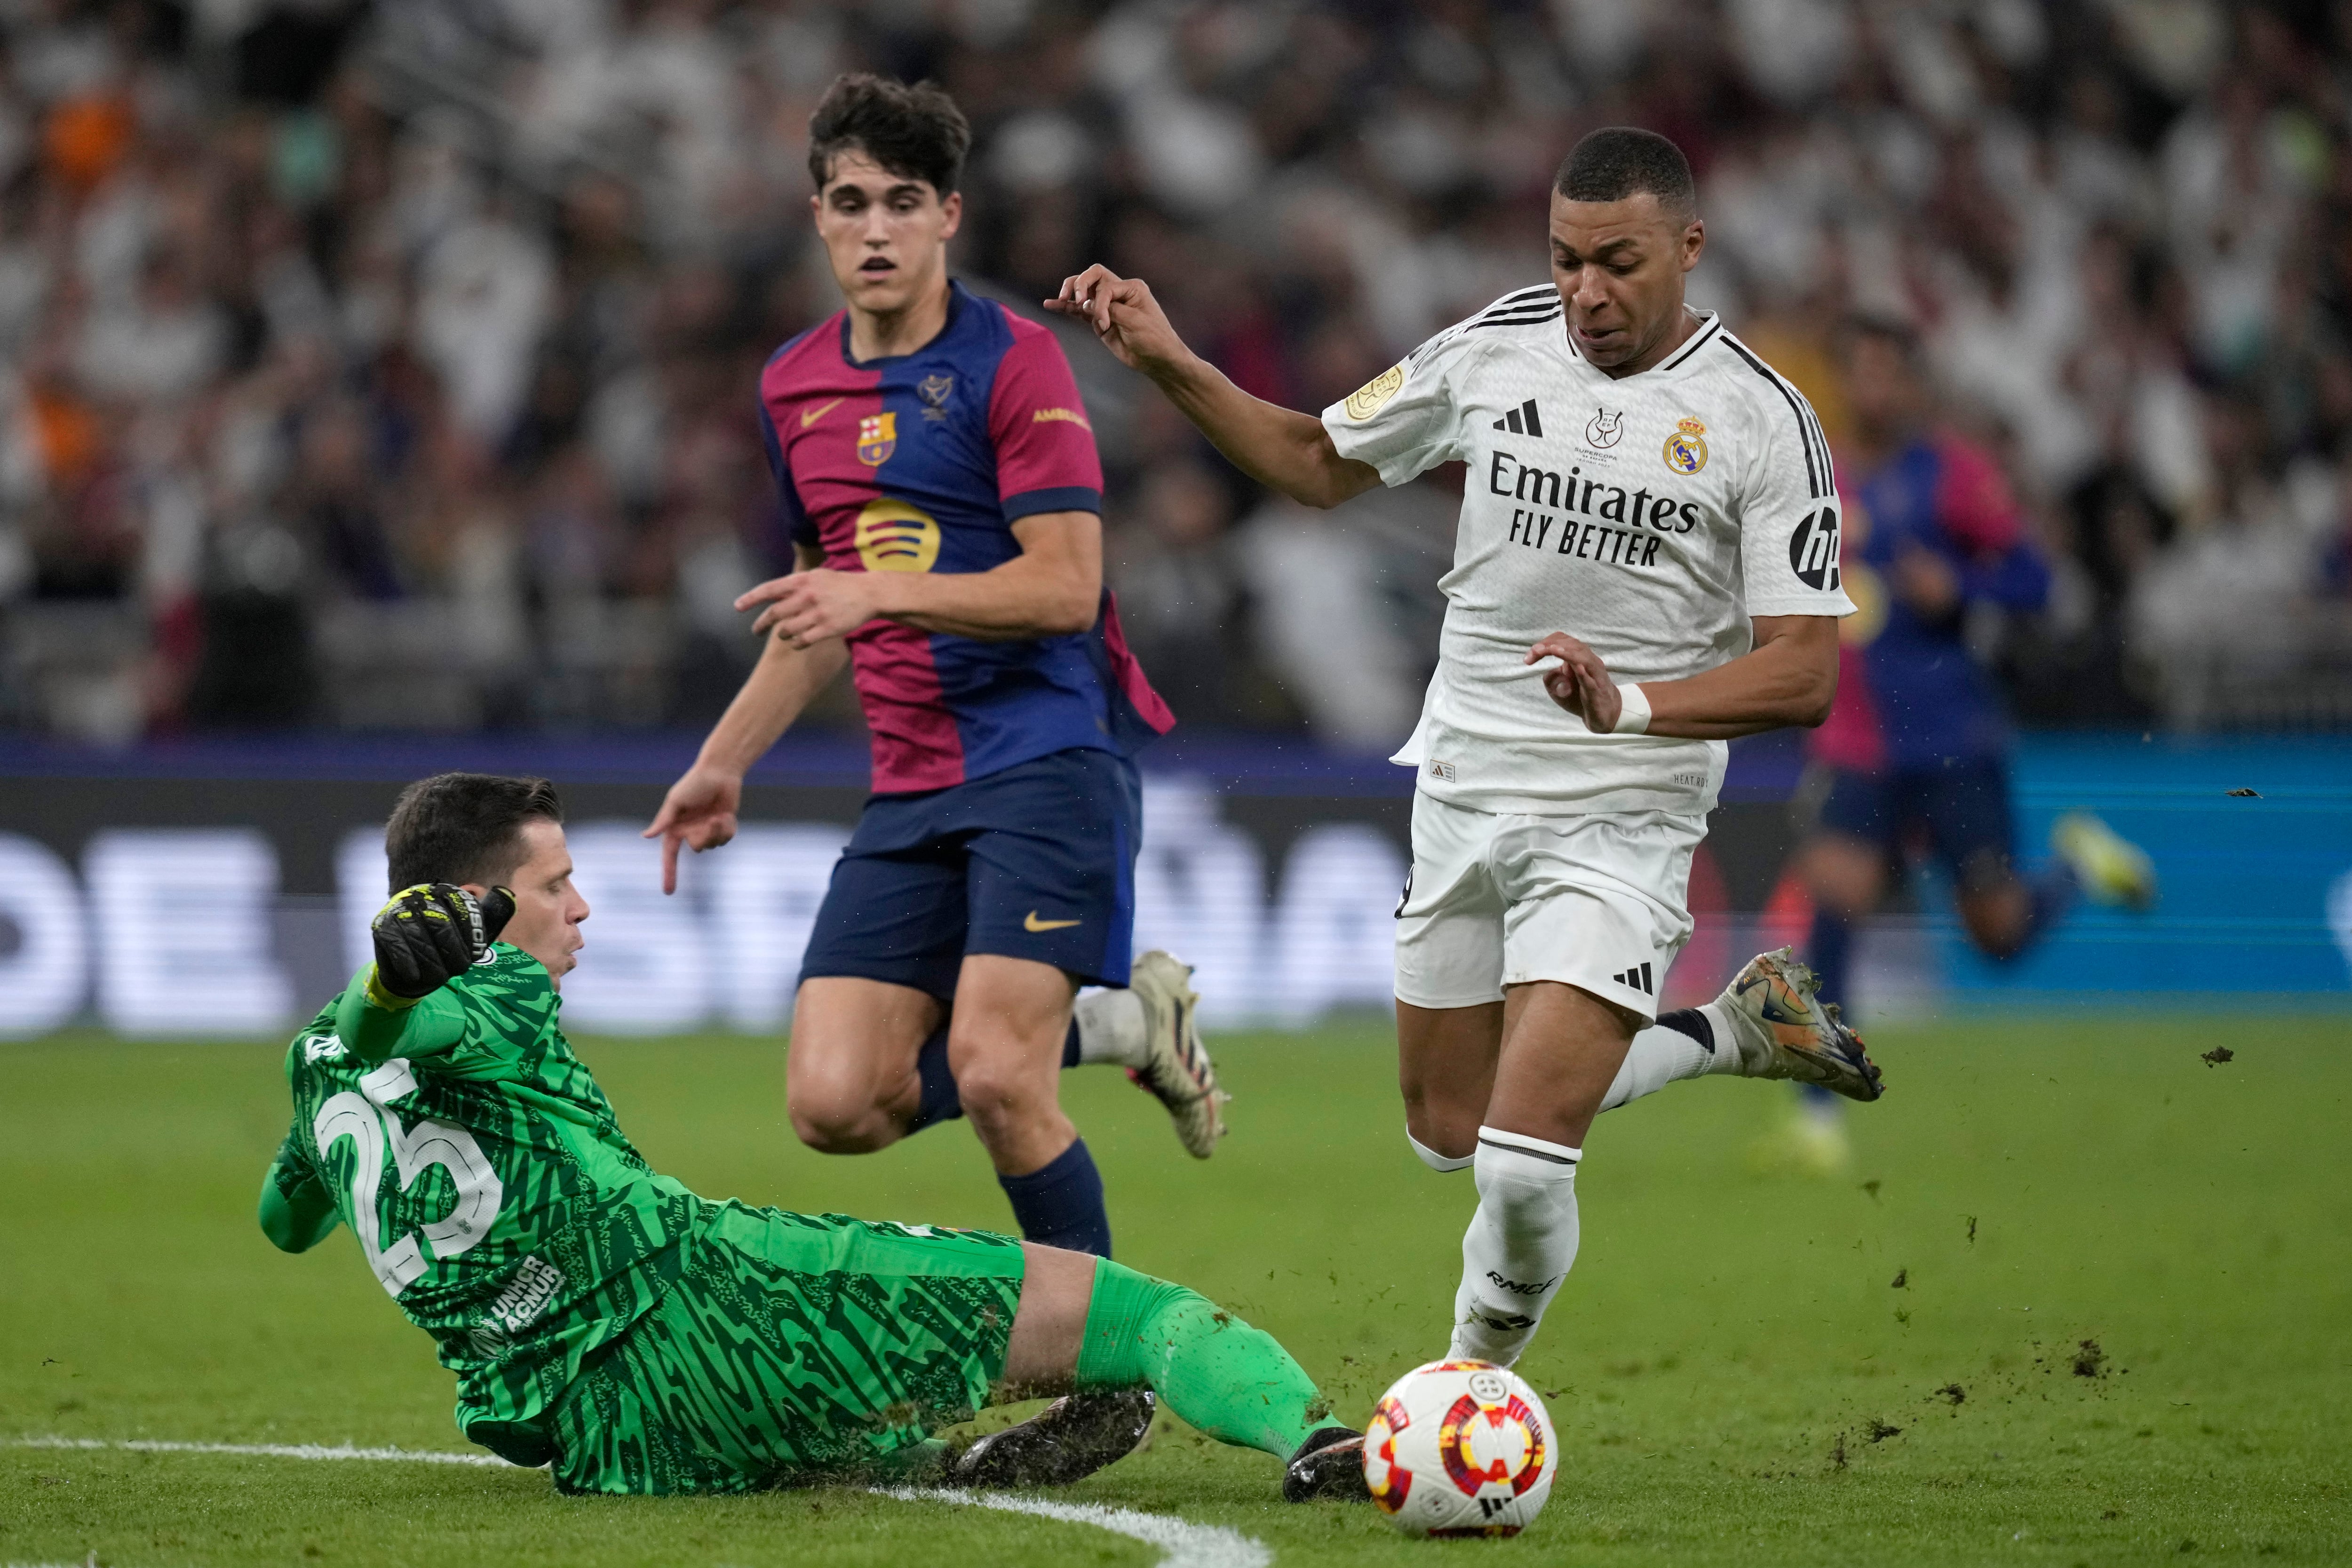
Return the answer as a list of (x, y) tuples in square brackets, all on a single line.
[(379, 997)]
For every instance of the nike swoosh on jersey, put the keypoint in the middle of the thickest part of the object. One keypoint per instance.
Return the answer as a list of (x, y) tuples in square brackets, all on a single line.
[(810, 416), (1034, 923)]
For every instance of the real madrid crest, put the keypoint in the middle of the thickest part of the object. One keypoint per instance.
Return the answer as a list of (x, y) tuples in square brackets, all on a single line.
[(1685, 450), (878, 438), (1366, 400)]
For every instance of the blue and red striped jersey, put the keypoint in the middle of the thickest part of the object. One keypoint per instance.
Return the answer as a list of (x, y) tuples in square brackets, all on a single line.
[(1910, 693), (922, 462)]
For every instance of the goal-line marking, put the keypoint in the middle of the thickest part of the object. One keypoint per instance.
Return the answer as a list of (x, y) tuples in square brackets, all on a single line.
[(1182, 1544)]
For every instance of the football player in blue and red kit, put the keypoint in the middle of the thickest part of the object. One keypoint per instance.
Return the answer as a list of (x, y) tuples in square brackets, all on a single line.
[(944, 493), (1916, 746)]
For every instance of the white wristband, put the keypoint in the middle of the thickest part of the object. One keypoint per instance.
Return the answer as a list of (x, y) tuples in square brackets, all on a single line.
[(1634, 718)]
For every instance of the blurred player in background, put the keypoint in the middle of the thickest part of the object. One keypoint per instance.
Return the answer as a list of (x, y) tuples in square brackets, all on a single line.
[(1650, 506), (944, 495), (1914, 754), (607, 1323)]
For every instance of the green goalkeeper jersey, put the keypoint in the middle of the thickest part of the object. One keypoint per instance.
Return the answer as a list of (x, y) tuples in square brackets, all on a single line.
[(487, 1181)]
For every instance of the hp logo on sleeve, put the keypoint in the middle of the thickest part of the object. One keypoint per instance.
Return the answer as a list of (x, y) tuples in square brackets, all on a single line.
[(1813, 550)]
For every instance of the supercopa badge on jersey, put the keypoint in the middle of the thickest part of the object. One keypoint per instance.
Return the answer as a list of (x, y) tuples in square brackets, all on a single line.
[(1366, 400), (878, 438), (1685, 450)]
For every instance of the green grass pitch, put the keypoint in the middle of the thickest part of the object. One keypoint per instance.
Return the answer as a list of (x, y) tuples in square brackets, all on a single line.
[(2120, 1334)]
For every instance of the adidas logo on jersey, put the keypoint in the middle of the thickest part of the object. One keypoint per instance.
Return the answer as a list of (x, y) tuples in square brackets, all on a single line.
[(1522, 420), (1637, 979)]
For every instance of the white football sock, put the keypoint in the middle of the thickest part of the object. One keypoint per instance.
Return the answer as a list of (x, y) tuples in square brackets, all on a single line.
[(1437, 1162), (1661, 1053), (1519, 1245), (1111, 1028)]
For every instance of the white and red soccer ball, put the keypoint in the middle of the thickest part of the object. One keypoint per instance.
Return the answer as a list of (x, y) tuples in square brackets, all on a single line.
[(1460, 1447)]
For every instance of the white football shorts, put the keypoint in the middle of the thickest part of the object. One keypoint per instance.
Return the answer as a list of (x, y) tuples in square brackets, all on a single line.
[(1597, 902)]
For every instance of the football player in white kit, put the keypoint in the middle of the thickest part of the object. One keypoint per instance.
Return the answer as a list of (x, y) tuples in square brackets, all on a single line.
[(1646, 565)]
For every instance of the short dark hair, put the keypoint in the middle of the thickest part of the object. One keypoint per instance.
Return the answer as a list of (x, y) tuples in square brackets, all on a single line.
[(1618, 161), (916, 131), (464, 827)]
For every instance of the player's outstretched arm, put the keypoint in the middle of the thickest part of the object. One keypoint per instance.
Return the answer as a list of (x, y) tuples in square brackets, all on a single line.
[(1280, 447), (700, 809), (1789, 678)]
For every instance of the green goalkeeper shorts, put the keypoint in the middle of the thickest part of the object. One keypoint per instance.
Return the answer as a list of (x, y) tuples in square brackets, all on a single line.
[(790, 1346)]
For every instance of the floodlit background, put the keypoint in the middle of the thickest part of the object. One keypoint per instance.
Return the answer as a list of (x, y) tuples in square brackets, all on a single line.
[(376, 396)]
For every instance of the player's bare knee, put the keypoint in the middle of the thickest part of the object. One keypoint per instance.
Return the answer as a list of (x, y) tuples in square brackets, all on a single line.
[(835, 1123), (998, 1092), (1446, 1131), (1844, 874)]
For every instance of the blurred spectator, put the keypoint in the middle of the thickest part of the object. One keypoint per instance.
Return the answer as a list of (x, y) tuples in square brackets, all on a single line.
[(1178, 594), (393, 363)]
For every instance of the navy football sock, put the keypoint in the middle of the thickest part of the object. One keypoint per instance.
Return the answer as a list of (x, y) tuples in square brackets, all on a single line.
[(2056, 887), (939, 1102), (1061, 1203), (1070, 1046), (1828, 951)]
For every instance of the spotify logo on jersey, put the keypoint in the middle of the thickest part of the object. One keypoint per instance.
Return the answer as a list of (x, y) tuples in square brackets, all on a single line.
[(1813, 550)]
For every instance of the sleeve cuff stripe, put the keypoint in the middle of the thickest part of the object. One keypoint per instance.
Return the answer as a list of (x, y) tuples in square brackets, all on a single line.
[(1064, 497)]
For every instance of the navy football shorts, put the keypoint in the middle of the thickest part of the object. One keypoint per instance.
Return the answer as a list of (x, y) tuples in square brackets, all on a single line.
[(1037, 862), (1960, 811)]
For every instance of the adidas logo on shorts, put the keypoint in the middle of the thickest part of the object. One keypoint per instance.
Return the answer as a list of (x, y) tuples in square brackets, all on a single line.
[(1637, 979)]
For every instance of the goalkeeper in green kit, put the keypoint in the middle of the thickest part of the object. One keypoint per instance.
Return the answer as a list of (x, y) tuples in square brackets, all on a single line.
[(607, 1323)]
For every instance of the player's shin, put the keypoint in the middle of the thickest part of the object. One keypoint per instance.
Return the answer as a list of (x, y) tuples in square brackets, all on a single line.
[(1519, 1247), (1680, 1044), (1229, 1379)]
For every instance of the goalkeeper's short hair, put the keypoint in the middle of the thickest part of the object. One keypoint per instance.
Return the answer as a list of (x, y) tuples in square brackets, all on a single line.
[(464, 827)]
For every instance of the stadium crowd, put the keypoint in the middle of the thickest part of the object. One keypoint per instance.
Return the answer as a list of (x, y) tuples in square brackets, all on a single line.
[(393, 366)]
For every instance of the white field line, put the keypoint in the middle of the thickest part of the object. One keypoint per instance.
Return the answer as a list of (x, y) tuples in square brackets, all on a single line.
[(262, 1450), (1181, 1544)]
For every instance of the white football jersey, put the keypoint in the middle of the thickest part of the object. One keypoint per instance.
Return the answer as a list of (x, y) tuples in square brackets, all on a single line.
[(1649, 516)]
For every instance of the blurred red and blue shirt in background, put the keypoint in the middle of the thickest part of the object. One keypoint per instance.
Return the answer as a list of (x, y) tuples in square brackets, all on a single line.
[(1911, 694)]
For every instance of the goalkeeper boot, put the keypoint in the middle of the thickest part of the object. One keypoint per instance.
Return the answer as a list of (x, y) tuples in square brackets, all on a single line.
[(2111, 869), (1328, 1465), (1067, 1441), (1176, 1068), (1783, 1029)]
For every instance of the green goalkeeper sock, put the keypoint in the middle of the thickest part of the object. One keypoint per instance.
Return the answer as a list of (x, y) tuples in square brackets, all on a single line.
[(1230, 1381)]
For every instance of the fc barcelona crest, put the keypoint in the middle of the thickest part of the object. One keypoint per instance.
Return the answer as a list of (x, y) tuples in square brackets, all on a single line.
[(878, 438)]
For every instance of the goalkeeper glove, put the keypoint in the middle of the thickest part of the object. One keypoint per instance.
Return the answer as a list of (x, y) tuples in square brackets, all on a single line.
[(432, 932)]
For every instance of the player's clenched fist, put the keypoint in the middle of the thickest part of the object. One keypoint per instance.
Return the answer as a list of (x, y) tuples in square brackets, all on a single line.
[(431, 932)]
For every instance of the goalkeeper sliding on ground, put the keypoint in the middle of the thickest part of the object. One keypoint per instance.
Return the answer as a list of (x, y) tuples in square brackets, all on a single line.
[(605, 1322)]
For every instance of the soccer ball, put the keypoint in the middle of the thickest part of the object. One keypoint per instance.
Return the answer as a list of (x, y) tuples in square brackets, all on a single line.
[(1460, 1447)]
